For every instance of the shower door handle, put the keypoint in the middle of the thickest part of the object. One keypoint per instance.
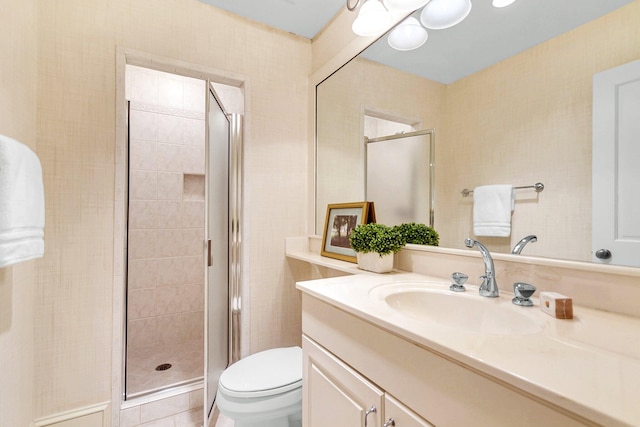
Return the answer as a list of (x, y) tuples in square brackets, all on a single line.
[(209, 254)]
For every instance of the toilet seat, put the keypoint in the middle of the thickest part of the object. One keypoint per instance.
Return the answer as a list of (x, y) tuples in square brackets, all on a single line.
[(263, 374)]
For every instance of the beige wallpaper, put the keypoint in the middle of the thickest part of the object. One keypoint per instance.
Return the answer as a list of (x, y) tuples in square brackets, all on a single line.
[(18, 73), (61, 332), (528, 119)]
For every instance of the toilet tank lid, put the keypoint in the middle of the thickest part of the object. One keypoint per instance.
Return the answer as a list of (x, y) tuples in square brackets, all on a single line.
[(266, 370)]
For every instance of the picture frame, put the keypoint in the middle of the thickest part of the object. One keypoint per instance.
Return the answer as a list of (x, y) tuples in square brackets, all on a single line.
[(341, 218)]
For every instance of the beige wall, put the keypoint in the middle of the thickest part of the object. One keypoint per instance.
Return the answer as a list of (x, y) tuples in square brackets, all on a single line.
[(60, 332), (18, 73), (528, 119)]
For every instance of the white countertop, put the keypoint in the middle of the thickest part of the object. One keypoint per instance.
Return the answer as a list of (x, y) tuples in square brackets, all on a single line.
[(589, 365)]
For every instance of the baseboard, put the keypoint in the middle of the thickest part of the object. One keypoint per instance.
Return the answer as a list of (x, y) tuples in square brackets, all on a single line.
[(97, 415)]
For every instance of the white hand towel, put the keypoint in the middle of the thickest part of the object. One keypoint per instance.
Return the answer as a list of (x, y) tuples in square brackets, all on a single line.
[(492, 207), (21, 203)]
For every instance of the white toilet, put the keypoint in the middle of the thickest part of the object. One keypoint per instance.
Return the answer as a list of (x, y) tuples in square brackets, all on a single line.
[(264, 389)]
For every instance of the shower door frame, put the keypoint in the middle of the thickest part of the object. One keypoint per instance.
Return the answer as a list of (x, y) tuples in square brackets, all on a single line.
[(234, 239)]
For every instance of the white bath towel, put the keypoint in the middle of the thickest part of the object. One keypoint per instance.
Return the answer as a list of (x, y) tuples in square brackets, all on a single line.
[(21, 203), (492, 207)]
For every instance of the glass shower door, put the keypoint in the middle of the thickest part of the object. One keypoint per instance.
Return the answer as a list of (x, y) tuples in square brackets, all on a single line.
[(217, 283)]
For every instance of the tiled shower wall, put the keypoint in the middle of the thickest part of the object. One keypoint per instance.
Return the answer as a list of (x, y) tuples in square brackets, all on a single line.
[(166, 208)]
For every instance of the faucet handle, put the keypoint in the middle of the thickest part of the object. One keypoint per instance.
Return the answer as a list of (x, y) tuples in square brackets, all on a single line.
[(457, 282), (484, 281), (522, 292)]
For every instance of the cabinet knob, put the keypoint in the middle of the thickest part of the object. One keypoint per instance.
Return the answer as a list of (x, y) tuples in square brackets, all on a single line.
[(390, 423), (371, 410)]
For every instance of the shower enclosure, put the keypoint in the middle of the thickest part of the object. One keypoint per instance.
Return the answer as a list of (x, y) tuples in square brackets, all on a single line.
[(166, 220), (179, 190)]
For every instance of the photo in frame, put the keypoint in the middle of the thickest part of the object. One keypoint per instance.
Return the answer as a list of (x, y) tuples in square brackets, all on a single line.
[(341, 219)]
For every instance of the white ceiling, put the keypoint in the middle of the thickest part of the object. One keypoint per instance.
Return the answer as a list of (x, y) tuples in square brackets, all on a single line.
[(302, 17), (487, 36)]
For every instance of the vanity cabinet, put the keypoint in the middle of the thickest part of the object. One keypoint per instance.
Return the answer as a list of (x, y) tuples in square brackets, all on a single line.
[(351, 363), (336, 395)]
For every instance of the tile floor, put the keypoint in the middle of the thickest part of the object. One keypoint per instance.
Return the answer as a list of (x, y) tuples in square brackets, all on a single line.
[(186, 359), (223, 421)]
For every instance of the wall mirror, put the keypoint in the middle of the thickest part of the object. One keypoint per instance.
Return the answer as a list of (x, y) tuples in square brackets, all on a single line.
[(511, 117)]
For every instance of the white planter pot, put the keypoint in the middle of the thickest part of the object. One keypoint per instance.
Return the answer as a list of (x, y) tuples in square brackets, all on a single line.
[(372, 261)]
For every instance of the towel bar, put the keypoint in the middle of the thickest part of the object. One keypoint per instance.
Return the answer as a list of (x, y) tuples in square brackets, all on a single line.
[(538, 186)]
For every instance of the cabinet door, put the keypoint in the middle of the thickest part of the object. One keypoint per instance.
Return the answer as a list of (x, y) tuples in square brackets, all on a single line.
[(401, 415), (336, 395)]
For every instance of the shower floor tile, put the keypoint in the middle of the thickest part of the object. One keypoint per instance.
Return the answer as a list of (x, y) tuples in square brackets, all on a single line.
[(186, 359)]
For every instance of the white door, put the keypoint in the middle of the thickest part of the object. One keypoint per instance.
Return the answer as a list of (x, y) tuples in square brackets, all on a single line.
[(616, 165), (217, 283)]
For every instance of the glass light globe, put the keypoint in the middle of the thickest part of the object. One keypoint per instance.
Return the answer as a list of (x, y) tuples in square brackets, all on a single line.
[(408, 35), (440, 14), (372, 19), (404, 5)]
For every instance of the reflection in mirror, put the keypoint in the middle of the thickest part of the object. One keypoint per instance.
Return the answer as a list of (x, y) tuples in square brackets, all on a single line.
[(616, 207), (525, 119), (399, 177), (364, 89)]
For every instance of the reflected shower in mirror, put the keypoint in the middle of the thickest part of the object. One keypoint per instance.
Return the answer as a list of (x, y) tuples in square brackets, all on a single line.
[(520, 119), (398, 176), (343, 102)]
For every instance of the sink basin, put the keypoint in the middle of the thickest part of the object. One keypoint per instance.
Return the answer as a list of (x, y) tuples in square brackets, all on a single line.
[(433, 302)]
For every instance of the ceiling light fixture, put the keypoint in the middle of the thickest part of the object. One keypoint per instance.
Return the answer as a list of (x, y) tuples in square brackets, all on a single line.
[(372, 19), (408, 35), (441, 14), (502, 3), (404, 6)]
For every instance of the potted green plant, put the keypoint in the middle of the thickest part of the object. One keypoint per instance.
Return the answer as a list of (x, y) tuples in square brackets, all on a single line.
[(375, 245), (418, 234)]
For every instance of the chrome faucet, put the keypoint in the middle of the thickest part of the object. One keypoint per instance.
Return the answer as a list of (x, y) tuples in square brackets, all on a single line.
[(523, 242), (488, 287)]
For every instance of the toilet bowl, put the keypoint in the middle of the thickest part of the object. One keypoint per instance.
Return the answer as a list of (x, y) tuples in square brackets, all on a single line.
[(264, 389)]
